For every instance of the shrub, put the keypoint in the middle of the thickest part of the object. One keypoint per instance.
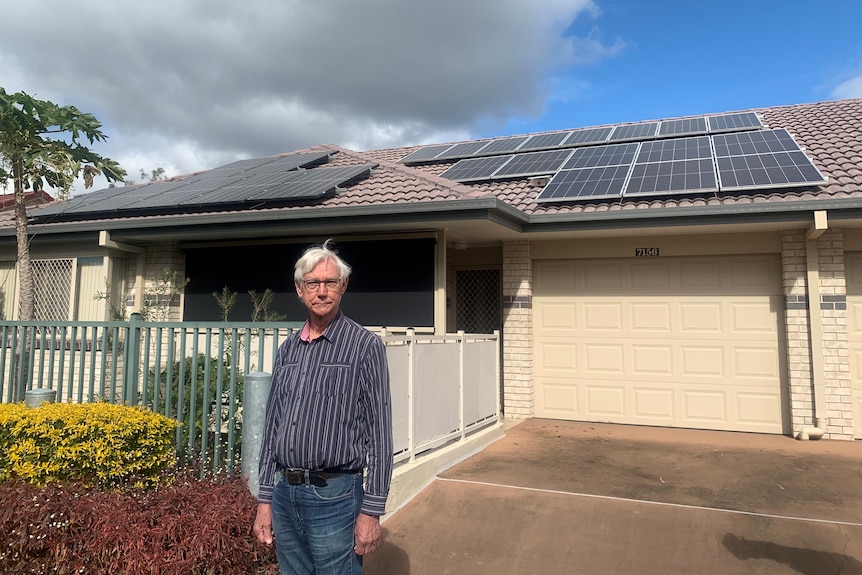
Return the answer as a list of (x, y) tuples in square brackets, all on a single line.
[(98, 443), (201, 387), (191, 527)]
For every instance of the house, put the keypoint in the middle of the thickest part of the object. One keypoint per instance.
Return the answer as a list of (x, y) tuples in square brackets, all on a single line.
[(701, 272)]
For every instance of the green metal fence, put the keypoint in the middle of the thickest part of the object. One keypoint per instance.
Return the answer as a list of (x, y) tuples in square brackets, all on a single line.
[(190, 371)]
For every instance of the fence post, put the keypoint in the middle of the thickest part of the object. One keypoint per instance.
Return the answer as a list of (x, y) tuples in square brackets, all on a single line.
[(131, 359), (254, 395)]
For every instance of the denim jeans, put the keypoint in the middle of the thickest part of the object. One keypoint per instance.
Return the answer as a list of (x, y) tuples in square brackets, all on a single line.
[(313, 526)]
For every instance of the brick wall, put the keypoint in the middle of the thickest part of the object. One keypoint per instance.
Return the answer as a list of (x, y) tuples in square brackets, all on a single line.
[(518, 393), (833, 315), (160, 259)]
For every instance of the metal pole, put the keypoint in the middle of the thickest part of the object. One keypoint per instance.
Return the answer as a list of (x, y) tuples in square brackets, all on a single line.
[(254, 396)]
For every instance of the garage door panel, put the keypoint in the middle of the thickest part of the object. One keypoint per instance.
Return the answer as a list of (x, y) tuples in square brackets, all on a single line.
[(699, 318), (701, 407), (755, 363), (558, 400), (650, 276), (703, 361), (651, 317), (752, 276), (752, 318), (600, 277), (557, 278), (680, 343), (752, 407), (606, 400), (560, 357), (603, 358), (603, 316), (555, 318), (700, 275), (654, 404), (652, 359)]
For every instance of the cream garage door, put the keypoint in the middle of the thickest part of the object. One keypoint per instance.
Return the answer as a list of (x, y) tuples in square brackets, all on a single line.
[(854, 335), (676, 342)]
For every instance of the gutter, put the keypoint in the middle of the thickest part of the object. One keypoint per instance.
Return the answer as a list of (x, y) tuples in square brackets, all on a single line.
[(474, 208), (815, 328), (797, 211)]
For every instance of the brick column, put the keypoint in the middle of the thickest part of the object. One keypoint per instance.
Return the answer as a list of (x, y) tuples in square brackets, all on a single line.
[(518, 394), (796, 325), (833, 315), (165, 259), (836, 350)]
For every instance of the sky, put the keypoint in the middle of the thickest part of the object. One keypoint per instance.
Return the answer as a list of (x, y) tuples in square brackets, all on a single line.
[(186, 85)]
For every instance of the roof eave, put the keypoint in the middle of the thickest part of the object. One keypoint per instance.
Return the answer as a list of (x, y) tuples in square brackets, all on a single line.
[(790, 212)]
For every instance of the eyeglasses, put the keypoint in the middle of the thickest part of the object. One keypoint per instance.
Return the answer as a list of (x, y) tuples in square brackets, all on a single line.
[(314, 285)]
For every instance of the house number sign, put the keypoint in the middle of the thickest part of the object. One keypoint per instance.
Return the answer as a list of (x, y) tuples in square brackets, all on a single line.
[(646, 252)]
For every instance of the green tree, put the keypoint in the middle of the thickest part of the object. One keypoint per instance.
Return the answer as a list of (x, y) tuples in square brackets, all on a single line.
[(41, 144)]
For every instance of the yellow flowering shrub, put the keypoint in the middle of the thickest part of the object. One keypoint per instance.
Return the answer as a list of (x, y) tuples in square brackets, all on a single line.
[(98, 443)]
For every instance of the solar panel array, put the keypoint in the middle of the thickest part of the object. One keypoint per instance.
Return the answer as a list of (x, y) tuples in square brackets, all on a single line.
[(696, 164), (258, 181), (586, 137)]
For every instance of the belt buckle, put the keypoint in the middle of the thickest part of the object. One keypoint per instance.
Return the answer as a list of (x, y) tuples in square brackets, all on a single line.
[(295, 476)]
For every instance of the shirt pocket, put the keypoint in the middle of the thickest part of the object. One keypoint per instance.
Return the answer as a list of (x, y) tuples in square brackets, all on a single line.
[(286, 377), (334, 379)]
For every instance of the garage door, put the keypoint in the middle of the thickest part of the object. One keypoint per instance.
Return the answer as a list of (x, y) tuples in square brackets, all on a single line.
[(676, 342), (854, 335)]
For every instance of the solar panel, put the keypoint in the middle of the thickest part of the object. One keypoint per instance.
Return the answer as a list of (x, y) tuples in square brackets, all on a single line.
[(284, 162), (119, 201), (588, 183), (544, 141), (672, 177), (241, 165), (676, 149), (608, 155), (475, 168), (310, 184), (634, 131), (533, 163), (425, 154), (732, 122), (504, 145), (682, 127), (76, 203), (293, 185), (674, 166), (763, 159), (462, 150), (587, 136), (170, 196)]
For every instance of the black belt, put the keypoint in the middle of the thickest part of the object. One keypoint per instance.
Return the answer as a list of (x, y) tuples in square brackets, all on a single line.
[(317, 477)]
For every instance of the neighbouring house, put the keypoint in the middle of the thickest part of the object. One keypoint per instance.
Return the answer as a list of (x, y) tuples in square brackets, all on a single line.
[(699, 272)]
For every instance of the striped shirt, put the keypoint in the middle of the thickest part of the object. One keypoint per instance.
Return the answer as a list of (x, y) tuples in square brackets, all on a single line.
[(329, 408)]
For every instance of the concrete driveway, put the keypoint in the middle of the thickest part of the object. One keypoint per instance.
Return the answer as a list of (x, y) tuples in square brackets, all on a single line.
[(556, 497)]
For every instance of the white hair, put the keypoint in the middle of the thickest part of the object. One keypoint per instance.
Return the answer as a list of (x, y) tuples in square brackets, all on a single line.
[(316, 254)]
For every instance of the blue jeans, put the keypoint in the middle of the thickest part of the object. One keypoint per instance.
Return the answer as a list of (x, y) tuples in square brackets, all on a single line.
[(313, 526)]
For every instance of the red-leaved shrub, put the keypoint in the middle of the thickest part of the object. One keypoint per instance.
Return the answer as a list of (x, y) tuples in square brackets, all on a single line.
[(192, 527)]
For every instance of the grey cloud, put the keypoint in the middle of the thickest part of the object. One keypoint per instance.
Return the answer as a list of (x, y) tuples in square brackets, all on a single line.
[(266, 76)]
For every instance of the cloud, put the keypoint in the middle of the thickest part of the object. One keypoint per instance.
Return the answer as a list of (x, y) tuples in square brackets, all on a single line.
[(190, 84), (851, 88)]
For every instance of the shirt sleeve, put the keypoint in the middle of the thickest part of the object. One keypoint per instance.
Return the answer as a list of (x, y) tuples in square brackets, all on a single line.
[(377, 430)]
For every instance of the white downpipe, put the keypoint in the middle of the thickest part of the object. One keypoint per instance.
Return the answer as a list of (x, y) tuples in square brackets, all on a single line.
[(815, 324)]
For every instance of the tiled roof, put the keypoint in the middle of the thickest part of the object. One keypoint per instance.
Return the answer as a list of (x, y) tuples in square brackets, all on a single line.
[(830, 132)]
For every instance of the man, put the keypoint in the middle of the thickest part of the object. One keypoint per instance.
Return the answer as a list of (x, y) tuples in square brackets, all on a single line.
[(328, 416)]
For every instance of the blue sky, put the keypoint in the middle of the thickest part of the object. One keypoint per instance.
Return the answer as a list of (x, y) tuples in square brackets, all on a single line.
[(189, 85), (676, 58)]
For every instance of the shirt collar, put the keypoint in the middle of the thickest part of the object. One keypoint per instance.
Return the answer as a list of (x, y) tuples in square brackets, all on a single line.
[(327, 333)]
